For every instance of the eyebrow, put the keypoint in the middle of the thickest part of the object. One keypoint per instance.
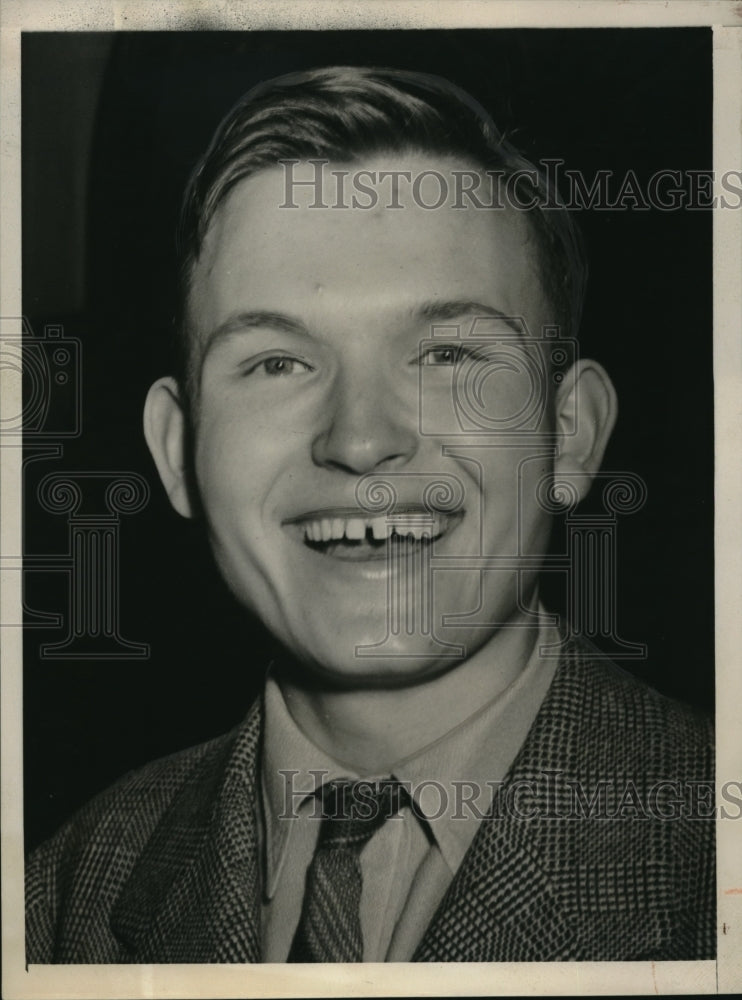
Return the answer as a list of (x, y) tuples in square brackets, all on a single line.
[(242, 321), (433, 311), (438, 311)]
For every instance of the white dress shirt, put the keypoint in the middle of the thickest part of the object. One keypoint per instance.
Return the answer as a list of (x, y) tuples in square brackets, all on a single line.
[(409, 863)]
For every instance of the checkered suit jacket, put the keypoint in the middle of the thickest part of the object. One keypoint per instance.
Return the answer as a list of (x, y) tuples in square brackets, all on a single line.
[(164, 867)]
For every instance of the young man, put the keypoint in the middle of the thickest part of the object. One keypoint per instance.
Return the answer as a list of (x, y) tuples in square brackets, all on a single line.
[(370, 417)]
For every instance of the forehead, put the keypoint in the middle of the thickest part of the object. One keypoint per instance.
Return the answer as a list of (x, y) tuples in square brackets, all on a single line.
[(356, 241)]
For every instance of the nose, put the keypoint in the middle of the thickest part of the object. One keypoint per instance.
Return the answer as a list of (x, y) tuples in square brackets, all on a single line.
[(366, 429)]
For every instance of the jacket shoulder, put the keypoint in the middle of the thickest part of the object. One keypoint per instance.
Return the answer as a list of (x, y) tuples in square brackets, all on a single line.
[(82, 868), (630, 828), (625, 724)]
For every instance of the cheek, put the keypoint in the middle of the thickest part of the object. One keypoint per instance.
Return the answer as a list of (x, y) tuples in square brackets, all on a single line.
[(514, 480), (232, 476), (534, 519)]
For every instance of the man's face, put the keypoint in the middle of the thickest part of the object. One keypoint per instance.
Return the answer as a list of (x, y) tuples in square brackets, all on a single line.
[(315, 374)]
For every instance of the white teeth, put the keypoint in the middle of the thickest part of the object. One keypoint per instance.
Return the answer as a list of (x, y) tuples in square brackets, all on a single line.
[(355, 530), (379, 528), (419, 531)]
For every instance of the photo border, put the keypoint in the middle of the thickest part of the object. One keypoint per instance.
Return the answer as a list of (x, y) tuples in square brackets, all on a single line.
[(439, 979)]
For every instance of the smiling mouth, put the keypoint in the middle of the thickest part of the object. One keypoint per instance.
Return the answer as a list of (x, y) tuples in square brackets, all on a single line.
[(361, 539)]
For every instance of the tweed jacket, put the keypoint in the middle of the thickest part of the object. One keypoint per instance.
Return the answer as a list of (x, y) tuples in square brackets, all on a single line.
[(590, 851)]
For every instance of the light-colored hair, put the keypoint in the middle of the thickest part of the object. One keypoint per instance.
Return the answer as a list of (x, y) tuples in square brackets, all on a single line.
[(343, 114)]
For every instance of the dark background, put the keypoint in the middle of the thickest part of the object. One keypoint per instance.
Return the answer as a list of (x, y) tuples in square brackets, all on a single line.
[(111, 127)]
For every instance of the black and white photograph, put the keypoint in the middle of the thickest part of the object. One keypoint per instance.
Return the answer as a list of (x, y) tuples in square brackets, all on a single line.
[(367, 438)]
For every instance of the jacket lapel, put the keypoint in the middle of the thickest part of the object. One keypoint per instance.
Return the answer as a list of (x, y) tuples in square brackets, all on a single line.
[(502, 905), (521, 893), (194, 895)]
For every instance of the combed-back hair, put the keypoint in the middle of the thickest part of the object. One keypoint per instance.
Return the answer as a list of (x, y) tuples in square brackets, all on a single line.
[(342, 114)]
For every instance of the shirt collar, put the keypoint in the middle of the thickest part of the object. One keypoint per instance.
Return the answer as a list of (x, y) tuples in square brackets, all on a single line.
[(286, 786), (451, 779)]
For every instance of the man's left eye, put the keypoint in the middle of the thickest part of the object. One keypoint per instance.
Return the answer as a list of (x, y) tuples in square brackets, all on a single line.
[(281, 365), (453, 354), (444, 355)]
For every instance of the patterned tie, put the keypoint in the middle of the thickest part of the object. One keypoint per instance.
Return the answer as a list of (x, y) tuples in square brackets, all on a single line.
[(330, 925)]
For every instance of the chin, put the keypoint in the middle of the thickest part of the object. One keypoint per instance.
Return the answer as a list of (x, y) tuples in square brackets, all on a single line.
[(397, 662)]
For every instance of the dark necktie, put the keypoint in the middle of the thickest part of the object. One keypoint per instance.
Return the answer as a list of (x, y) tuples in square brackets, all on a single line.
[(330, 925)]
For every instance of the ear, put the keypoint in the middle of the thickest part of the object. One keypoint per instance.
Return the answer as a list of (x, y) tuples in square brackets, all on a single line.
[(586, 411), (165, 430)]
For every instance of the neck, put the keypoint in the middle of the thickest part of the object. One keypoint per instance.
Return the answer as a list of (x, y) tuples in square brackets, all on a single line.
[(372, 729)]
